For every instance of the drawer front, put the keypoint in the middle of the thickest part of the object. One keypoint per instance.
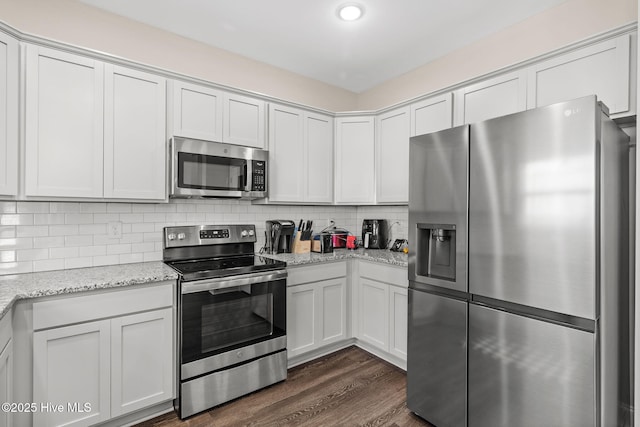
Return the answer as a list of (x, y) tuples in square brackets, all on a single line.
[(384, 273)]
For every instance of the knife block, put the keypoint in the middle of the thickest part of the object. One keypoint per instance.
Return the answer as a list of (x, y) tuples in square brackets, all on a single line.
[(301, 246)]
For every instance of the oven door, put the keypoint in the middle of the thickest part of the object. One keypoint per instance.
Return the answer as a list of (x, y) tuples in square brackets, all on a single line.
[(231, 320)]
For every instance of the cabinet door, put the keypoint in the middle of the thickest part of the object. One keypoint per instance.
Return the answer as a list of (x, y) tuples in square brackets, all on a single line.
[(392, 156), (318, 137), (355, 160), (398, 305), (601, 70), (64, 124), (301, 319), (244, 120), (142, 360), (432, 115), (197, 111), (286, 153), (6, 382), (374, 313), (491, 98), (9, 58), (71, 367), (333, 310), (134, 143)]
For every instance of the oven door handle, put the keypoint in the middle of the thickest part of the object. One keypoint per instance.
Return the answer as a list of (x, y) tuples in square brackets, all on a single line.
[(231, 281)]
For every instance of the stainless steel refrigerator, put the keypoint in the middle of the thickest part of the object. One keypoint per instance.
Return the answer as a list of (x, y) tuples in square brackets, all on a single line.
[(519, 271)]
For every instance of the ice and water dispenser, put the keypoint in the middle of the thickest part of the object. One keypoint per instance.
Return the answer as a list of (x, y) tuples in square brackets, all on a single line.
[(436, 244)]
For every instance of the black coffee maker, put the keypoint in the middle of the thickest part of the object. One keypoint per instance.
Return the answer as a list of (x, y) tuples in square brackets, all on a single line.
[(374, 234), (279, 236)]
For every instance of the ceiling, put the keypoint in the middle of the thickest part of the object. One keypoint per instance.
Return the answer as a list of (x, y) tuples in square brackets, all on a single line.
[(307, 38)]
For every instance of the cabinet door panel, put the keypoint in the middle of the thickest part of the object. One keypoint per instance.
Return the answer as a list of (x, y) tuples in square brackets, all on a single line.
[(197, 112), (301, 315), (374, 309), (6, 381), (318, 135), (244, 121), (64, 124), (286, 150), (432, 115), (9, 115), (398, 318), (71, 366), (134, 134), (334, 310), (142, 362), (392, 159), (355, 160), (601, 70)]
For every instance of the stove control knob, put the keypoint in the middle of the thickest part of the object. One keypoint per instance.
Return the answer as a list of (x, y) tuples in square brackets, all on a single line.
[(244, 233), (171, 236), (239, 354), (181, 236), (251, 233)]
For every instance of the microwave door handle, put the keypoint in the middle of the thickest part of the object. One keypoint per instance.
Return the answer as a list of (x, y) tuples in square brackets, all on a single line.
[(246, 178)]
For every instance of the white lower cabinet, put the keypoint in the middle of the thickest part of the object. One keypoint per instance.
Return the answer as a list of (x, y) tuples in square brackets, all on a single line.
[(96, 370), (382, 310), (6, 367), (316, 307)]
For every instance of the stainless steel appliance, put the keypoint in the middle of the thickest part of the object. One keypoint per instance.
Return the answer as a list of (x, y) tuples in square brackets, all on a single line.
[(213, 169), (374, 234), (279, 235), (519, 271), (231, 314)]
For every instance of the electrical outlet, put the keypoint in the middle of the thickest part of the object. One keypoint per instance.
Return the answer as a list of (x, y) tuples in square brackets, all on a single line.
[(114, 230)]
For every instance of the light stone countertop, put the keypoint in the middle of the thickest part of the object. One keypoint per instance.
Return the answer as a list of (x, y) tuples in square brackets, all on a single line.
[(384, 256), (59, 282)]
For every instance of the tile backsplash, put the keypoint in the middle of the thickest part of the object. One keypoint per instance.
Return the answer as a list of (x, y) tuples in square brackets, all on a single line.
[(42, 236)]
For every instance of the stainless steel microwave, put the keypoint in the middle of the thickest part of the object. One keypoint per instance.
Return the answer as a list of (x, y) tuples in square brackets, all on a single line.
[(214, 169)]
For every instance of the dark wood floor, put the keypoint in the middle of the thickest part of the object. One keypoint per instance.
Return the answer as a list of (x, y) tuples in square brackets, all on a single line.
[(347, 388)]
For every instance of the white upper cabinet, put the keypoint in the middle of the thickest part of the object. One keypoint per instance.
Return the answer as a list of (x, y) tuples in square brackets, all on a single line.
[(244, 120), (498, 96), (392, 156), (355, 160), (9, 59), (300, 156), (197, 111), (93, 130), (64, 124), (432, 115), (602, 69), (134, 143)]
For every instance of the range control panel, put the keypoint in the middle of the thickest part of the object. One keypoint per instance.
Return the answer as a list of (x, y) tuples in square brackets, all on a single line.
[(199, 235)]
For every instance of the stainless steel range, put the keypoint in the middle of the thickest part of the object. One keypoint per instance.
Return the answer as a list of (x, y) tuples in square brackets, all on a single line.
[(231, 315)]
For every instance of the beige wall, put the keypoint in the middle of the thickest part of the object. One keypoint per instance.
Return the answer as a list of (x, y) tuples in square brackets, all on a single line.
[(75, 23), (570, 22), (78, 24)]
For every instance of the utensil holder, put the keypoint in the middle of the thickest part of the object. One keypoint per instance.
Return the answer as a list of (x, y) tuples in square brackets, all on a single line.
[(301, 246)]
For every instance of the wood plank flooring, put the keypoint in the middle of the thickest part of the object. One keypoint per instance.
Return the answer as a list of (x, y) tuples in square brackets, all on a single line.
[(347, 388)]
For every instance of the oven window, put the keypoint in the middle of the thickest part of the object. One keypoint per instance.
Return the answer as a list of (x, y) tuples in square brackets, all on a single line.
[(221, 320), (236, 317), (211, 172)]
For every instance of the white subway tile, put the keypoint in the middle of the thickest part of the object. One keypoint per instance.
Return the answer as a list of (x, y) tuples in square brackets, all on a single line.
[(196, 217), (80, 262), (97, 250), (132, 238), (16, 243), (33, 207), (92, 229), (124, 248), (8, 256), (155, 217), (33, 254), (63, 230), (131, 217), (185, 207), (106, 260), (126, 228), (103, 239), (64, 207), (80, 240), (93, 207), (152, 256), (105, 218), (48, 242), (33, 231), (16, 219), (142, 247), (48, 219), (177, 218), (16, 267), (7, 231), (143, 208), (72, 252), (48, 265), (165, 208), (118, 207), (79, 218), (131, 258), (152, 237), (8, 207), (142, 227)]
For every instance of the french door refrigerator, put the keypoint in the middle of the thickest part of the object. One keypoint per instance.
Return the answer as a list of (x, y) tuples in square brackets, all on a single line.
[(519, 271)]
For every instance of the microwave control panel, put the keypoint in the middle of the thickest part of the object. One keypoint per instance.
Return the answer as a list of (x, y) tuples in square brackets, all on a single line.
[(259, 174)]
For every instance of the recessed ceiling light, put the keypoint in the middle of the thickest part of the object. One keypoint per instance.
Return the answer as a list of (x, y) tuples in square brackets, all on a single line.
[(350, 12)]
